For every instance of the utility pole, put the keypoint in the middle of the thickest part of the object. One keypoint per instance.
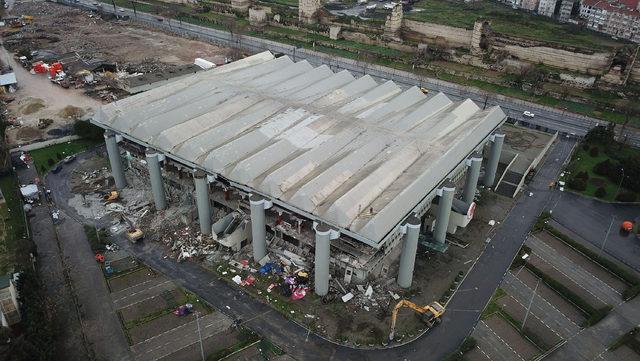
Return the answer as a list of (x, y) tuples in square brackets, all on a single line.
[(530, 303), (200, 335), (607, 235)]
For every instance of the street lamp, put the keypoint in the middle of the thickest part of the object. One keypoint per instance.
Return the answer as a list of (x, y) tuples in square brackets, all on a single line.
[(619, 184)]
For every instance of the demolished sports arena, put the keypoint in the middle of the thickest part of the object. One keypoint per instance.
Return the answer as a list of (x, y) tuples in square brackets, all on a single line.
[(337, 171)]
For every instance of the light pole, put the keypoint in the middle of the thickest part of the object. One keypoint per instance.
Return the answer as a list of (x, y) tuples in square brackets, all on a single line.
[(619, 184), (200, 335), (607, 235)]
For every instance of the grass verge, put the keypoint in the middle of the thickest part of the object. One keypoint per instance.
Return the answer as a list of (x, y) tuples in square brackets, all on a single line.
[(14, 245), (45, 159)]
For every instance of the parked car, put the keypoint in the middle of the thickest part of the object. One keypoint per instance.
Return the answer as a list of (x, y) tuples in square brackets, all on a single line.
[(69, 158), (528, 114)]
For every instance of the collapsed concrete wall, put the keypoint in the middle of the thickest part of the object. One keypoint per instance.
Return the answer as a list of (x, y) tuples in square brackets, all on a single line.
[(455, 37), (307, 10)]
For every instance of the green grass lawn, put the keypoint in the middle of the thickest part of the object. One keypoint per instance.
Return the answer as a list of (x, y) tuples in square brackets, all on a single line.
[(13, 230), (57, 152), (583, 162), (508, 21)]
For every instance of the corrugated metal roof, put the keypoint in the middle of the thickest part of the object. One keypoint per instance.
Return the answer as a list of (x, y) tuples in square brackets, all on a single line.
[(353, 152)]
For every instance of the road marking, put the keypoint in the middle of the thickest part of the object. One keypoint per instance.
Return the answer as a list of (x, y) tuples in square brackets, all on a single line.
[(135, 293), (484, 353), (579, 284), (503, 341), (554, 251), (538, 318), (545, 300)]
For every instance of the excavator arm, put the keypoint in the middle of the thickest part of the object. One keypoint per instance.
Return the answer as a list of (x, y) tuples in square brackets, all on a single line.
[(396, 309)]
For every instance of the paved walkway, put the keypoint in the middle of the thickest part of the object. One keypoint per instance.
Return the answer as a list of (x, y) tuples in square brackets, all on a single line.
[(51, 270)]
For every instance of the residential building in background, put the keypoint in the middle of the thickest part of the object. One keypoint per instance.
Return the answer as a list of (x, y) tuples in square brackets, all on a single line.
[(620, 19), (547, 7), (565, 10), (530, 5), (9, 311)]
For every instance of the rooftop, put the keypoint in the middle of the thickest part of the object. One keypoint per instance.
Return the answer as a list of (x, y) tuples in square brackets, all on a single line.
[(355, 153)]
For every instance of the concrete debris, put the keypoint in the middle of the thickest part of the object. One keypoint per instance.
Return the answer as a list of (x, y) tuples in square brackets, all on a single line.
[(369, 292), (237, 279), (394, 295), (347, 297), (266, 259)]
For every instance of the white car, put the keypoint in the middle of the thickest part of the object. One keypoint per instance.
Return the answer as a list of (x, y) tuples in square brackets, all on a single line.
[(528, 114)]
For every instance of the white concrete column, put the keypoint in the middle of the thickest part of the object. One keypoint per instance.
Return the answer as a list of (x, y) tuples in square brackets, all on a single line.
[(202, 201), (497, 140), (444, 211), (474, 163), (117, 171), (155, 176), (258, 226), (322, 254), (409, 249)]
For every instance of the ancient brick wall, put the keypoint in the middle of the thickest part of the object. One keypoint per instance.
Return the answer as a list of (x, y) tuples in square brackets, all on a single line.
[(455, 37)]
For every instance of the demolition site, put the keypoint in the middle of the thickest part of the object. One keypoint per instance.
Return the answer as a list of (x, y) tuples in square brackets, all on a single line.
[(330, 197)]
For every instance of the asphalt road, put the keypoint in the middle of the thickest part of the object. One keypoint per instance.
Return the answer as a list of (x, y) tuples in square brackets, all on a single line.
[(462, 314), (547, 117), (590, 219)]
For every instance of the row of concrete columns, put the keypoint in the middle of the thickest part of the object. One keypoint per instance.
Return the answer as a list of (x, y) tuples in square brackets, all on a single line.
[(445, 202), (258, 205)]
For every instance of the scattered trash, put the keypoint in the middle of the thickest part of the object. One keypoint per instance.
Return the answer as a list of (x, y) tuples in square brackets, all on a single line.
[(237, 279), (183, 310), (492, 223), (369, 292)]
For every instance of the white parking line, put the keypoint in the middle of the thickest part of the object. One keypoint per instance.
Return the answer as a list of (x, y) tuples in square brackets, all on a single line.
[(545, 300), (535, 316), (503, 341), (135, 293), (553, 250)]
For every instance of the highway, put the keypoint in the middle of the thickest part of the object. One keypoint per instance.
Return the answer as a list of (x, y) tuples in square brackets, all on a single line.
[(548, 118)]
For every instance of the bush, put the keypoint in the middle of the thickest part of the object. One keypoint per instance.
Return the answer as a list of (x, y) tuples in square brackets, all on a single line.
[(577, 184), (583, 175), (59, 156), (626, 197), (598, 315), (594, 152), (601, 192), (604, 168), (469, 344), (631, 292), (51, 162)]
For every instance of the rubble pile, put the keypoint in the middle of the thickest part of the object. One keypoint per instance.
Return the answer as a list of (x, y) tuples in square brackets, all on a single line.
[(83, 182), (186, 242)]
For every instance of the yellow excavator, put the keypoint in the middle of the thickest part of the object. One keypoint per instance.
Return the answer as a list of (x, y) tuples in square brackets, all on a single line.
[(430, 314)]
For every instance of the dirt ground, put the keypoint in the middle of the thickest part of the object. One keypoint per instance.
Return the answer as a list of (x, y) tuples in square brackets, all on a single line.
[(61, 30)]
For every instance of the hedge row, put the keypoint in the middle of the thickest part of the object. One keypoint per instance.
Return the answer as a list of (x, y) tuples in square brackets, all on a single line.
[(621, 271), (594, 315)]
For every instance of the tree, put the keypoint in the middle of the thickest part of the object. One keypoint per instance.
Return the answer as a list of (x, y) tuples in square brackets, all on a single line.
[(593, 152), (577, 184), (601, 192)]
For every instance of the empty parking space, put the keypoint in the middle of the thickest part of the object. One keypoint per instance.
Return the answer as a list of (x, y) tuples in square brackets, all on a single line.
[(572, 275), (582, 261)]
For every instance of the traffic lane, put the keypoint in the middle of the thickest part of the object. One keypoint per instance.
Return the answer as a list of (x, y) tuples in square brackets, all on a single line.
[(591, 219)]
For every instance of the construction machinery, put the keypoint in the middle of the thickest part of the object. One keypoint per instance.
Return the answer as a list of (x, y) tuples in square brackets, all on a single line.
[(111, 196), (430, 314), (134, 234)]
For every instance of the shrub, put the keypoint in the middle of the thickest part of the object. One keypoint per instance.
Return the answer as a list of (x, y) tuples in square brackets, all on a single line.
[(59, 156), (626, 197), (51, 162), (577, 184), (469, 344), (583, 175), (601, 192), (594, 151), (604, 168), (631, 292), (585, 147), (598, 315)]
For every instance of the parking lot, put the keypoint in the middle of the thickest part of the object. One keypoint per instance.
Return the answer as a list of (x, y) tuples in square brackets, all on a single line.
[(145, 302), (528, 319)]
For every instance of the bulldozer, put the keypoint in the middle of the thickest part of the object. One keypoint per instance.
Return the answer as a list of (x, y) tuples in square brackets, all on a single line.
[(430, 314)]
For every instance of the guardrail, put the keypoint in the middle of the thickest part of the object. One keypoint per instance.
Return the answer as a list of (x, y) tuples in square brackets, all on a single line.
[(546, 117)]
